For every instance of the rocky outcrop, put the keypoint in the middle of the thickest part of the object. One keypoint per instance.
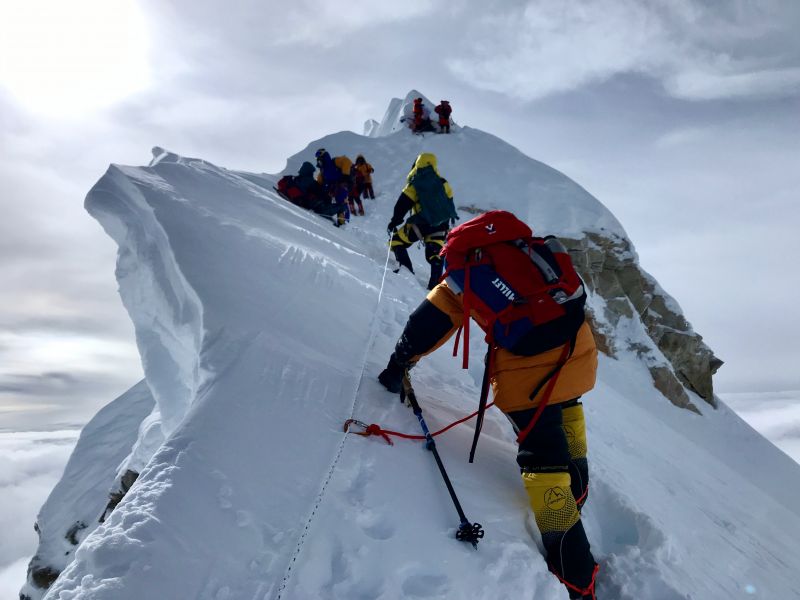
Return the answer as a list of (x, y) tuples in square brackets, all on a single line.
[(678, 358)]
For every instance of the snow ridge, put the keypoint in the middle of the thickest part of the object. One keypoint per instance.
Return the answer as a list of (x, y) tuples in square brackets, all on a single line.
[(251, 316)]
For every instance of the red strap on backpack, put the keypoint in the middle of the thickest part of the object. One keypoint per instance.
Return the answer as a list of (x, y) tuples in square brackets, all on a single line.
[(550, 380), (465, 319)]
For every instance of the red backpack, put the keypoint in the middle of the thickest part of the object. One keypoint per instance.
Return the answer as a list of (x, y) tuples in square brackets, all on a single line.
[(524, 288), (288, 189)]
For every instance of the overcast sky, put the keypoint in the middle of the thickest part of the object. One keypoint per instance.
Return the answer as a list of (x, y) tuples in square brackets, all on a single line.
[(681, 116)]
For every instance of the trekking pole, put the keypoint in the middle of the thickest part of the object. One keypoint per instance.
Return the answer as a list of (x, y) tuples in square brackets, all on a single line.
[(467, 532)]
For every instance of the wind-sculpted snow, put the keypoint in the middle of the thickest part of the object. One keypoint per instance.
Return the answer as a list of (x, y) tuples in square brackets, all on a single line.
[(262, 328), (249, 316)]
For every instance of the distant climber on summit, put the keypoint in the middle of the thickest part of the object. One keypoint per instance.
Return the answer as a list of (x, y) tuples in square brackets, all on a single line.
[(422, 117), (526, 295), (418, 114), (429, 198), (444, 111)]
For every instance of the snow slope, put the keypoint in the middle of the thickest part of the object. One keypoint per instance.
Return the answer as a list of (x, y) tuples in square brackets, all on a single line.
[(262, 328), (775, 415)]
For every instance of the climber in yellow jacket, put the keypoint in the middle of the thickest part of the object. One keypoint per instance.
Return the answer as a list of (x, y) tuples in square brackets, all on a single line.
[(429, 198)]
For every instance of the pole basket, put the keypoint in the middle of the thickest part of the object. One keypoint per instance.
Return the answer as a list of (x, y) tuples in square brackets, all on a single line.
[(470, 532)]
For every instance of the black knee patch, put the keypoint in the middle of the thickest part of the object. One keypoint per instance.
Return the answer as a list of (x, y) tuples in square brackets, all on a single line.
[(579, 480), (426, 326), (545, 447)]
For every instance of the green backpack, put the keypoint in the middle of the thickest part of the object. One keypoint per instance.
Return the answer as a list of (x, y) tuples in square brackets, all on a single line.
[(436, 207)]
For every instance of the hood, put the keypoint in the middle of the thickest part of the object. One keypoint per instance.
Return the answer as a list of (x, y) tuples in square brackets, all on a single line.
[(306, 169), (426, 159)]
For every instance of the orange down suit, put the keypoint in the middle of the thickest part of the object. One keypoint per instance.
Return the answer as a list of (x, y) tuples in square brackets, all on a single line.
[(514, 377)]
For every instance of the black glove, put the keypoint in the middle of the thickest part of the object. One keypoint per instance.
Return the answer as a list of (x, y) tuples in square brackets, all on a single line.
[(392, 226), (392, 376)]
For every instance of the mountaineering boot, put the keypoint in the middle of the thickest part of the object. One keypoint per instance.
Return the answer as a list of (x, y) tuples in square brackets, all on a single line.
[(392, 376), (436, 273)]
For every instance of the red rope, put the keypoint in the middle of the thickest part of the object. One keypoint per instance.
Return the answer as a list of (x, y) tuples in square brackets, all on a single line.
[(583, 495), (375, 429), (589, 589)]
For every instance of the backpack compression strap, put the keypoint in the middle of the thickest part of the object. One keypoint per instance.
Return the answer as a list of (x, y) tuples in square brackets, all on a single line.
[(487, 373)]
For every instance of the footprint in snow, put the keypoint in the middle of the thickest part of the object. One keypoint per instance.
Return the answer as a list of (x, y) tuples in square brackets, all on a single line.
[(629, 547), (375, 526), (425, 586)]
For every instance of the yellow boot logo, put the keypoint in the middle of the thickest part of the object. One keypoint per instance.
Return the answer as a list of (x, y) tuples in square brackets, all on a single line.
[(555, 498)]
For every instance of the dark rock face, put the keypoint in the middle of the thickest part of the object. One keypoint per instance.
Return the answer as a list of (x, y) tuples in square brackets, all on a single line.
[(41, 575), (72, 533), (609, 267), (115, 496)]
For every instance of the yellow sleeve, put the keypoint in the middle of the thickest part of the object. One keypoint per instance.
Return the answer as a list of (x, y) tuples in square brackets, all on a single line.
[(411, 192)]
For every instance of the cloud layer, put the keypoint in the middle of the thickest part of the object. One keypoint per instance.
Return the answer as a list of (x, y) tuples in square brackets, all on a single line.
[(697, 50), (30, 465), (776, 416)]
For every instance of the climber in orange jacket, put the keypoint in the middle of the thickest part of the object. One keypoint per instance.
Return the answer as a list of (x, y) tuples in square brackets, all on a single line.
[(363, 174), (539, 367)]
